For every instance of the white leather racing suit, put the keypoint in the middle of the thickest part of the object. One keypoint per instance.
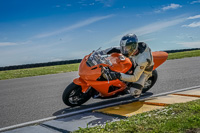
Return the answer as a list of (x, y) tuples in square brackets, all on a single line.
[(143, 66)]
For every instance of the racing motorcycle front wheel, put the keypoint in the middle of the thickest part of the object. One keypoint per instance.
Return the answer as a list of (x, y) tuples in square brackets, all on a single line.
[(73, 95), (150, 82)]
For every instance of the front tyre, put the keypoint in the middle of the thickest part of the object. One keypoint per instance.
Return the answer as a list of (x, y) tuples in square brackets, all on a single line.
[(150, 82), (73, 95)]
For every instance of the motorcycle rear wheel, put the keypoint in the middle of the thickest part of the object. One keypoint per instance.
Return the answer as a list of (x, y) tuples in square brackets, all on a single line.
[(150, 82), (73, 95)]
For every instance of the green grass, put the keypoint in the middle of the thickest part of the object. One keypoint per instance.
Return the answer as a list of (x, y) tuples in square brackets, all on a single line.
[(176, 118), (20, 73), (38, 71), (180, 55)]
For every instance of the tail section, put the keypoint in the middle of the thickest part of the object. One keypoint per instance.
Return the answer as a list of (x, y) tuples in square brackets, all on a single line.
[(159, 57)]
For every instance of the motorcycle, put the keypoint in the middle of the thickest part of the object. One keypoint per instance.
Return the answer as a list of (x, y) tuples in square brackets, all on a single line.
[(95, 81)]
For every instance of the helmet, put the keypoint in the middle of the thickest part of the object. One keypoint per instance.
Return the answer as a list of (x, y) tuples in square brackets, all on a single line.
[(128, 44)]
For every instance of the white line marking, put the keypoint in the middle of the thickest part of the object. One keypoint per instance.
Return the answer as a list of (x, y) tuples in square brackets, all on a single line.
[(93, 108)]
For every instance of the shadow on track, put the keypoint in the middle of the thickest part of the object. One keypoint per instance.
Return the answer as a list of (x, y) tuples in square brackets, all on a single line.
[(119, 99)]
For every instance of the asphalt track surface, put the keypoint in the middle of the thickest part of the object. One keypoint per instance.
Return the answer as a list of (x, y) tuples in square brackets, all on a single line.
[(33, 98)]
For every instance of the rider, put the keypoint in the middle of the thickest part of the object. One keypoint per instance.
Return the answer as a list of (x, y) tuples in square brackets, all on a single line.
[(141, 57)]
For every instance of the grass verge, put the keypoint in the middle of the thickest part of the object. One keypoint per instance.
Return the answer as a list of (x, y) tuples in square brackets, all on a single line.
[(180, 55), (176, 118), (20, 73)]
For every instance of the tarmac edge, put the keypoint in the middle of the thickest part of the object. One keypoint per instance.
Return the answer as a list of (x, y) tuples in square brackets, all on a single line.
[(91, 109)]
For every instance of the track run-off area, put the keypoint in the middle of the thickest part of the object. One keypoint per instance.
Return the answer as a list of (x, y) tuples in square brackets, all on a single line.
[(40, 97)]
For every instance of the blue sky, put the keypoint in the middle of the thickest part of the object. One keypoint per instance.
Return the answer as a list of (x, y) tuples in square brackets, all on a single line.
[(34, 31)]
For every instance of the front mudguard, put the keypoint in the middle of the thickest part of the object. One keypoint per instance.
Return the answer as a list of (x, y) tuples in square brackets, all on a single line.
[(82, 83)]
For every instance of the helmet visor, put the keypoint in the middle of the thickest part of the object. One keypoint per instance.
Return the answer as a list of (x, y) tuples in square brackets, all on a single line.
[(128, 49)]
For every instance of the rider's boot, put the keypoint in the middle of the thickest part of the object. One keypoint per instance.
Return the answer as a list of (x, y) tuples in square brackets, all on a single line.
[(135, 92)]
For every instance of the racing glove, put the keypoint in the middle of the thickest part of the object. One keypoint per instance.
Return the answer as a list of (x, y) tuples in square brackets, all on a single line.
[(115, 75)]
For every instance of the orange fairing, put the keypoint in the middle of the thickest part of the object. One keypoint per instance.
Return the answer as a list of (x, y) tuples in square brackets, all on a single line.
[(103, 87), (159, 58), (82, 83), (120, 63), (89, 75)]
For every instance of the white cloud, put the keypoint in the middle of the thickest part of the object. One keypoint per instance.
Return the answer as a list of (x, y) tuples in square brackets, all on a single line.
[(149, 40), (68, 5), (194, 2), (194, 17), (91, 4), (58, 6), (14, 43), (7, 43), (151, 28), (194, 24), (190, 44), (75, 26), (171, 6), (107, 3), (157, 26)]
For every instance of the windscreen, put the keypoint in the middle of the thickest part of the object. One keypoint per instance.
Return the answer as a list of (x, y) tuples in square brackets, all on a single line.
[(97, 58)]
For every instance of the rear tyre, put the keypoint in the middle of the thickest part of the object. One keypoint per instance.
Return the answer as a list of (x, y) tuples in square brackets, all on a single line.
[(150, 82), (73, 95)]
